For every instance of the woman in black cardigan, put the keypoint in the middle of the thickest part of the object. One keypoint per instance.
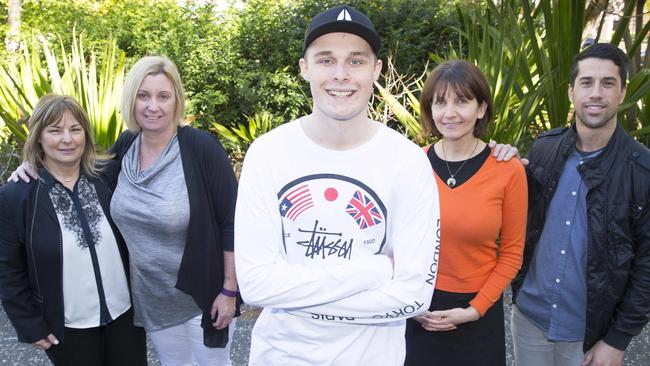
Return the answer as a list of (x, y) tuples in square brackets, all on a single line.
[(174, 203), (63, 263)]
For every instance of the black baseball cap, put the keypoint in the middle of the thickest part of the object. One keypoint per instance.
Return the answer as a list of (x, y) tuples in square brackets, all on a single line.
[(345, 19)]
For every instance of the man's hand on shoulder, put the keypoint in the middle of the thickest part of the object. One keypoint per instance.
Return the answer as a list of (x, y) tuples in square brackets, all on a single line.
[(505, 152)]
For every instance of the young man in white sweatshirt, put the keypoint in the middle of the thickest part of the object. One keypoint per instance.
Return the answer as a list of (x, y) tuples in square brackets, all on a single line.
[(336, 224)]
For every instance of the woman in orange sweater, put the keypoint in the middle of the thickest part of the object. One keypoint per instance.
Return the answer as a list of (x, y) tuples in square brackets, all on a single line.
[(483, 206)]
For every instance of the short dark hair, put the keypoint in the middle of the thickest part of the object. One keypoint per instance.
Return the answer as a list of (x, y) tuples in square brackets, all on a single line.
[(605, 51), (467, 81)]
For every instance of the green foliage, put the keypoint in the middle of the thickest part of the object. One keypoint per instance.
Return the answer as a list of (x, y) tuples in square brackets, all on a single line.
[(139, 27), (635, 116), (225, 60), (238, 138), (241, 60), (251, 63), (268, 34), (397, 101), (637, 106), (20, 87), (54, 16), (244, 134), (244, 60), (225, 89), (96, 85), (528, 73), (409, 29), (517, 45), (4, 20), (9, 158)]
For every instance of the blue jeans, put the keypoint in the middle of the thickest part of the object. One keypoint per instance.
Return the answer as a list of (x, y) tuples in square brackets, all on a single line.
[(532, 347)]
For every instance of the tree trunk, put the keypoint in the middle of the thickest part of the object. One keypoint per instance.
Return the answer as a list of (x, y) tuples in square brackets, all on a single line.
[(12, 39)]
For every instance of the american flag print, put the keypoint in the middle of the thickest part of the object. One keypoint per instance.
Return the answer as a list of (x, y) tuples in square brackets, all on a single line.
[(296, 201), (363, 210)]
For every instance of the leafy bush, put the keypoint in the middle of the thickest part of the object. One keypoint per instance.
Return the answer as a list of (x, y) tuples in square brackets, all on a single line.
[(138, 27), (10, 158), (410, 29), (251, 63), (241, 60)]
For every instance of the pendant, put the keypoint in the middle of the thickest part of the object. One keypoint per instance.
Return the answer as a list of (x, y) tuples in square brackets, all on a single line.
[(451, 181)]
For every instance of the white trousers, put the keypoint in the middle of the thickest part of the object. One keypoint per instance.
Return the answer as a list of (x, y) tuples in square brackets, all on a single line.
[(532, 347), (182, 345)]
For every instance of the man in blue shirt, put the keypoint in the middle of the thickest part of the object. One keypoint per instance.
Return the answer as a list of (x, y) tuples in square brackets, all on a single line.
[(584, 288)]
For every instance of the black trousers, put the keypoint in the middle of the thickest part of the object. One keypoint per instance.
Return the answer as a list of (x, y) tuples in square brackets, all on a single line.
[(119, 343)]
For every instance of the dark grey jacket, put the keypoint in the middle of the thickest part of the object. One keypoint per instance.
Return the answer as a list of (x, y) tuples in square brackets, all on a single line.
[(31, 259), (618, 216)]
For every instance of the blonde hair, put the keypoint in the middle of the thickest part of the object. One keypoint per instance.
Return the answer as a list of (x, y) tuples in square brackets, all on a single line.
[(151, 65), (48, 111)]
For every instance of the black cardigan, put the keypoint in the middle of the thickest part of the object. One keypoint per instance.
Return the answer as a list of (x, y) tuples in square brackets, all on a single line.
[(212, 192), (31, 260)]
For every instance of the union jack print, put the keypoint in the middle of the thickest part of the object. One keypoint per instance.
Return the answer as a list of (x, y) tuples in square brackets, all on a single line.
[(363, 210)]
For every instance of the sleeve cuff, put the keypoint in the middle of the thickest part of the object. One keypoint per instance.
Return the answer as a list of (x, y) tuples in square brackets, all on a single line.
[(480, 306), (33, 335), (617, 339)]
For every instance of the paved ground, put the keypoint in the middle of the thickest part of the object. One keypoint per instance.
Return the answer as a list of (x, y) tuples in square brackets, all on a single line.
[(14, 353)]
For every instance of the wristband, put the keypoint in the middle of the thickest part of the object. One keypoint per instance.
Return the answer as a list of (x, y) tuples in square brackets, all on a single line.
[(229, 293)]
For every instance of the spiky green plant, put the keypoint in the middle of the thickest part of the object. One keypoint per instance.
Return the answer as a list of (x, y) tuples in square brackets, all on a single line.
[(237, 139), (398, 101), (95, 81), (21, 85), (245, 133)]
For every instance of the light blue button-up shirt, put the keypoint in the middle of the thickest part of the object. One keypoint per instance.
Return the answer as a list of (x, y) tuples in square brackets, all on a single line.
[(554, 293)]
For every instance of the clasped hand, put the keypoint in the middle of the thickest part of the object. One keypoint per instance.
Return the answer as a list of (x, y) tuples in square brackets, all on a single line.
[(445, 320)]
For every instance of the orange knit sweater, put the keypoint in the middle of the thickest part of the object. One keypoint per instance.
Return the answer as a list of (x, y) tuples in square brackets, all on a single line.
[(492, 204)]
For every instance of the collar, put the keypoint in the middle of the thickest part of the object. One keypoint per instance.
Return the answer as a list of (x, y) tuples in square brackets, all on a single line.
[(595, 171)]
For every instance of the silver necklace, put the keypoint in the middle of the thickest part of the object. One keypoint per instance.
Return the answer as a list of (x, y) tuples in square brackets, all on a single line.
[(66, 181), (63, 179), (452, 181)]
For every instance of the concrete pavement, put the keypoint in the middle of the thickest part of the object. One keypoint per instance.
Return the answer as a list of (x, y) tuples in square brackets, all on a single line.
[(14, 353)]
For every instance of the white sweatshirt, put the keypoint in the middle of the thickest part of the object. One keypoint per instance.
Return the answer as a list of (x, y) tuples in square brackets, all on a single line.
[(314, 230)]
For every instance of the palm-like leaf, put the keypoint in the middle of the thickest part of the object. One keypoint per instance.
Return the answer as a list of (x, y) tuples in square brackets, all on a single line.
[(98, 93), (526, 48), (240, 137)]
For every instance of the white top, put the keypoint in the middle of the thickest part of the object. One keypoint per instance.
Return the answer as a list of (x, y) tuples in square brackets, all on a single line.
[(309, 224), (80, 294)]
